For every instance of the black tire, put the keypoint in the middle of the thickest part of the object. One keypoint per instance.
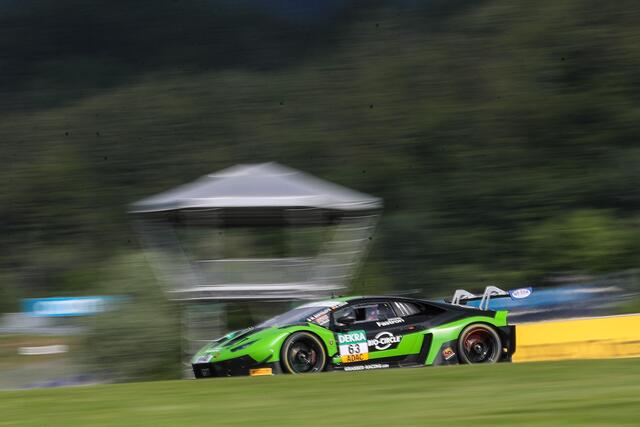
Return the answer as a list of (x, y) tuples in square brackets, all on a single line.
[(302, 353), (479, 343)]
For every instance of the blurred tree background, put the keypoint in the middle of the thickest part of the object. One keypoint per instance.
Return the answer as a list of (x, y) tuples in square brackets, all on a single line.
[(503, 136)]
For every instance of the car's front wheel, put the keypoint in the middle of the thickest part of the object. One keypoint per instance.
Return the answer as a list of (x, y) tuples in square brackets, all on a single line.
[(479, 344), (302, 353)]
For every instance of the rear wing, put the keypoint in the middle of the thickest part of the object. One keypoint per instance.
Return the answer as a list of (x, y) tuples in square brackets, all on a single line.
[(461, 297)]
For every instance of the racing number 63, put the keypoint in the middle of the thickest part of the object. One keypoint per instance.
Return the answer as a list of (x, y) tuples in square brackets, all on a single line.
[(353, 346)]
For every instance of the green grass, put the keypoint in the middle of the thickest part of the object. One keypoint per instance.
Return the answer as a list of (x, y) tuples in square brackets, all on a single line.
[(593, 393)]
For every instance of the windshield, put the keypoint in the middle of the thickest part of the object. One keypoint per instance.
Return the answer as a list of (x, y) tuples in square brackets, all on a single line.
[(317, 312)]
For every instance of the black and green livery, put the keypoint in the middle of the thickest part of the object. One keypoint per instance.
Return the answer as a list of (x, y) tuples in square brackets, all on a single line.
[(361, 333)]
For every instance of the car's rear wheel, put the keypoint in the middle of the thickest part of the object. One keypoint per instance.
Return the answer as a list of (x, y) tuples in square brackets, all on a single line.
[(302, 353), (479, 343)]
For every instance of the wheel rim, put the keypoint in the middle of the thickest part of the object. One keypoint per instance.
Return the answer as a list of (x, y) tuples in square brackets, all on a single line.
[(479, 346), (303, 356)]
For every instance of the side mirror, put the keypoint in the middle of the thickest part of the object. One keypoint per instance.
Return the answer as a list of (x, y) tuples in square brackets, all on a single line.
[(348, 319)]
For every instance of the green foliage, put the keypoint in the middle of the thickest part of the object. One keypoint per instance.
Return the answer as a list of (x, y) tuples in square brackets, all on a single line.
[(501, 135), (9, 293), (592, 241), (141, 339)]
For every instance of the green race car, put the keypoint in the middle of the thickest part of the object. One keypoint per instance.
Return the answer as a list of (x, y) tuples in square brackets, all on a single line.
[(361, 333)]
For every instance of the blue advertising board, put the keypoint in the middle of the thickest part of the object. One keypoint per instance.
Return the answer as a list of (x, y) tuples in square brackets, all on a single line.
[(66, 307)]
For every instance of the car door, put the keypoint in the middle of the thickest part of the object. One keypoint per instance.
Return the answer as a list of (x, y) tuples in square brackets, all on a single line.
[(376, 333)]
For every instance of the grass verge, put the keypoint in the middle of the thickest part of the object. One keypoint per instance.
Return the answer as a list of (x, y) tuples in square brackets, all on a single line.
[(581, 393)]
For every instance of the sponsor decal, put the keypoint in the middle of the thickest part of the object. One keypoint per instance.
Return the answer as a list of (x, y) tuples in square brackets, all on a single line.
[(353, 347), (321, 313), (352, 337), (366, 367), (520, 293), (322, 319), (384, 340), (45, 349), (322, 316), (392, 321), (258, 372), (68, 307), (448, 353), (328, 303), (205, 372), (350, 358)]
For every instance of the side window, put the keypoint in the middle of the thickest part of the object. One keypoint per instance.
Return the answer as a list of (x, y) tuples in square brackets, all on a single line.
[(405, 309), (372, 312)]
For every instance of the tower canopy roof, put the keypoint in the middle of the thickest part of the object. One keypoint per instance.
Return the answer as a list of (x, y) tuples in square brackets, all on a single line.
[(265, 185)]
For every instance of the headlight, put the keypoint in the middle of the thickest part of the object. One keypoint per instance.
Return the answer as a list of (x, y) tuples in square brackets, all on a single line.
[(203, 359)]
